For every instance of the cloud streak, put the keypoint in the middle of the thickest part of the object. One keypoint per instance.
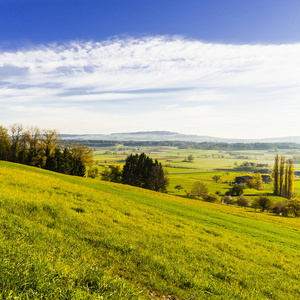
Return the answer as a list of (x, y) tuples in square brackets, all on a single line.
[(152, 83)]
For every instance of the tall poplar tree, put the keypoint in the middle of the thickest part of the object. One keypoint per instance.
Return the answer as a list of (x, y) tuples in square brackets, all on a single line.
[(285, 192), (290, 178), (281, 175), (276, 175)]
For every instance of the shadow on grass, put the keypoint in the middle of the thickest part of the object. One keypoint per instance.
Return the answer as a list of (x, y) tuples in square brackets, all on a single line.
[(257, 195)]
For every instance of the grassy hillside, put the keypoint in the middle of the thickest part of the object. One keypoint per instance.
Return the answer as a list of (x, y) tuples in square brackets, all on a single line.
[(65, 237)]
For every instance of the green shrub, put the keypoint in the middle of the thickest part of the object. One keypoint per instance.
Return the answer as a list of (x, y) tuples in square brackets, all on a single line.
[(228, 200), (237, 190), (199, 189), (293, 207), (212, 198), (263, 203), (244, 201)]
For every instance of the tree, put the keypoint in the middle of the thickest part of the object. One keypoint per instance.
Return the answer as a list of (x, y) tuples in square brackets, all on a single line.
[(216, 178), (142, 171), (5, 144), (82, 156), (113, 174), (58, 162), (244, 201), (276, 175), (256, 181), (43, 149), (52, 151), (15, 135), (199, 189), (293, 207), (228, 200), (280, 208), (36, 152), (246, 164), (213, 198), (129, 175), (281, 175), (236, 190), (66, 165), (93, 172), (158, 179), (178, 187), (289, 183), (262, 202), (251, 183), (190, 158)]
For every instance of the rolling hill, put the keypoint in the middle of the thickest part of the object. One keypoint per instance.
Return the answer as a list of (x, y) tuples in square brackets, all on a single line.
[(173, 136), (65, 237)]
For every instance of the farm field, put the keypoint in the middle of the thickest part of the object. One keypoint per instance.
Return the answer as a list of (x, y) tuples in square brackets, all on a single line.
[(205, 164), (66, 237)]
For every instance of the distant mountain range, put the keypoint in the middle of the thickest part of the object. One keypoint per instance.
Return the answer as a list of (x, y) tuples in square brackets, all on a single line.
[(173, 136)]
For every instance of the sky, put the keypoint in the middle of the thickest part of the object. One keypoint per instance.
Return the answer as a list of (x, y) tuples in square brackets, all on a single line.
[(222, 68)]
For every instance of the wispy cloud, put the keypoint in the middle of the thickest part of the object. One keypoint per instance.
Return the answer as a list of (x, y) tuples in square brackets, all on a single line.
[(152, 83)]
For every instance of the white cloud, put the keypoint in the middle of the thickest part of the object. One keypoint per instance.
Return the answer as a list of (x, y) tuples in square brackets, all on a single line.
[(153, 83)]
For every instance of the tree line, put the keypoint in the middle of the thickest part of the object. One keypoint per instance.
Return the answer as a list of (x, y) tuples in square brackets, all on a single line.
[(192, 145), (283, 174), (43, 149), (262, 202), (141, 171)]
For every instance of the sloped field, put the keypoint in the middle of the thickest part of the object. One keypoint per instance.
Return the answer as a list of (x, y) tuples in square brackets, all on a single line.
[(66, 237)]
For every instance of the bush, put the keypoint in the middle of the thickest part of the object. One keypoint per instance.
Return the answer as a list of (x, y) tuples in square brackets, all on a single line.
[(93, 172), (293, 207), (262, 202), (190, 158), (280, 208), (213, 198), (244, 201), (178, 187), (188, 193), (113, 174), (228, 200), (235, 190), (199, 189)]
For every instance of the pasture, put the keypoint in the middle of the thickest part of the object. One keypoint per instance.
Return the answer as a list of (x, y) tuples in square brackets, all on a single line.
[(205, 164), (66, 237)]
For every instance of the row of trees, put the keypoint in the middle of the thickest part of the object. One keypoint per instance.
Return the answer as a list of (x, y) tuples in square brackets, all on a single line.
[(43, 149), (263, 202), (283, 174), (193, 145), (141, 171)]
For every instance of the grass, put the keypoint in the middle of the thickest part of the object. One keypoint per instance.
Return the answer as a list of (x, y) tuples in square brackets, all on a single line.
[(65, 237)]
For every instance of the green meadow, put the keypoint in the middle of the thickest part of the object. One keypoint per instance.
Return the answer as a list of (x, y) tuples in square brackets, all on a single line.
[(65, 237), (205, 164)]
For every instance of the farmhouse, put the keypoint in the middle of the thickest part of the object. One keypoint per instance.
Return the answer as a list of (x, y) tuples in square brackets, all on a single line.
[(242, 179)]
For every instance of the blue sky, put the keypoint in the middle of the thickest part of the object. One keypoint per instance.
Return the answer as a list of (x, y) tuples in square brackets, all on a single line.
[(222, 68)]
